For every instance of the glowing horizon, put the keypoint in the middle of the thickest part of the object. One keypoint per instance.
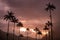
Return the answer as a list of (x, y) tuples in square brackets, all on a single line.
[(23, 29)]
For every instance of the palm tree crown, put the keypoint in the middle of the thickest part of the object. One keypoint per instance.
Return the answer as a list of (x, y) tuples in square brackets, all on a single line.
[(36, 29), (9, 16), (50, 7), (14, 20), (20, 24), (39, 32), (46, 28), (49, 23)]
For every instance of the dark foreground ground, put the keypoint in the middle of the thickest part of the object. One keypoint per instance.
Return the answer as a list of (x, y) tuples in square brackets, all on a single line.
[(3, 37)]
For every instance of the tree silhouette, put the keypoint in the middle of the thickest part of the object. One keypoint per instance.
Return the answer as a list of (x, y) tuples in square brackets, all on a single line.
[(49, 24), (14, 20), (36, 30), (19, 25), (8, 18), (50, 8), (46, 29), (39, 33), (27, 32)]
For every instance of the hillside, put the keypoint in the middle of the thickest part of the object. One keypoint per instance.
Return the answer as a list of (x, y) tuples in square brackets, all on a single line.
[(3, 36)]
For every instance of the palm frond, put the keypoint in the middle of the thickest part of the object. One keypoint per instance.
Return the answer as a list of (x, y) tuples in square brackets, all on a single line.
[(46, 28), (39, 32), (14, 20), (6, 17), (36, 29), (50, 7), (20, 24), (46, 9), (9, 16)]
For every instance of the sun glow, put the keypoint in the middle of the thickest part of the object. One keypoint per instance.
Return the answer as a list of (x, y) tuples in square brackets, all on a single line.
[(44, 32), (23, 29), (32, 30)]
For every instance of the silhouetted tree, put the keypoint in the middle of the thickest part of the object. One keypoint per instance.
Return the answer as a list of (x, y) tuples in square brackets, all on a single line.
[(39, 33), (27, 32), (8, 18), (50, 8), (49, 24), (14, 20), (36, 30), (19, 25), (46, 29)]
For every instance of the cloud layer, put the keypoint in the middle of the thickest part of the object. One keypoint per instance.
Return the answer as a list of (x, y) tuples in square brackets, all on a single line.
[(31, 10)]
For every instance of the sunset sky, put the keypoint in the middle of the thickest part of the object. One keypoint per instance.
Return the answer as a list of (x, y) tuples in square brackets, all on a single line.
[(31, 13)]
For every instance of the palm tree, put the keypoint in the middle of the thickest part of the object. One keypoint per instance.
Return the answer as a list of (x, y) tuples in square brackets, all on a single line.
[(36, 30), (8, 18), (14, 20), (21, 36), (19, 25), (46, 29), (49, 24), (27, 32), (50, 8), (39, 32)]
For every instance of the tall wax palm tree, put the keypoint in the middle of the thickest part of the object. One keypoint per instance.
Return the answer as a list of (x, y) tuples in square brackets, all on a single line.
[(8, 18), (39, 33), (50, 8), (49, 24), (46, 29), (14, 20), (19, 25), (36, 30), (27, 32)]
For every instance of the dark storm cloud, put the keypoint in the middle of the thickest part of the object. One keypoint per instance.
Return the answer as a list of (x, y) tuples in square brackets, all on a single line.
[(32, 8), (27, 8), (22, 3)]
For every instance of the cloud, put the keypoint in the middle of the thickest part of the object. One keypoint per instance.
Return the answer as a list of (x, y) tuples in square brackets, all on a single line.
[(31, 10), (26, 8), (21, 3)]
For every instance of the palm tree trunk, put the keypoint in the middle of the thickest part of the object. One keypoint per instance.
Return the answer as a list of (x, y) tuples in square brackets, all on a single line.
[(51, 26), (49, 35), (36, 36), (8, 30), (13, 31), (46, 36), (39, 37), (27, 35), (19, 34)]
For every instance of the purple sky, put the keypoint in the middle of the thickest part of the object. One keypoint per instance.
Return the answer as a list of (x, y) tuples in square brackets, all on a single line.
[(31, 11)]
